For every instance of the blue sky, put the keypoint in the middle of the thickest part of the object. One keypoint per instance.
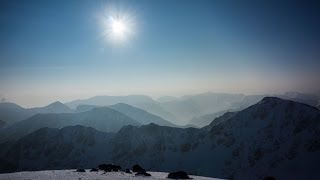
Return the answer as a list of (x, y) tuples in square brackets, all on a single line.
[(53, 50)]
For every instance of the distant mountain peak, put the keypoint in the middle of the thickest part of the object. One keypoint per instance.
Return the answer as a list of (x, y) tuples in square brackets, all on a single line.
[(10, 105), (56, 104), (123, 104), (270, 99), (273, 101), (140, 115), (55, 107)]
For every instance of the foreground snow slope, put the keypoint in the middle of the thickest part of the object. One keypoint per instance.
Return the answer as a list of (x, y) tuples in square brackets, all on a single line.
[(72, 174)]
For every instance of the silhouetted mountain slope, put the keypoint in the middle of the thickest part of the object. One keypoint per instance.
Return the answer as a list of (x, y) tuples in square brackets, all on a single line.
[(273, 137), (56, 107), (85, 107), (206, 119), (139, 101), (140, 115), (137, 114), (12, 113), (102, 119), (226, 116)]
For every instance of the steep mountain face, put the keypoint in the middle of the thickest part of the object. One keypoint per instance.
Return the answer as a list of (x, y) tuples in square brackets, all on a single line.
[(102, 119), (140, 115), (274, 137), (140, 101), (206, 119), (69, 147), (11, 113), (226, 116)]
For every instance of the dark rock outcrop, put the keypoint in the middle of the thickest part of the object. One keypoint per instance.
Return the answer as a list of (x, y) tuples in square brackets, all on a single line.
[(128, 171), (141, 173), (94, 170), (178, 175), (269, 178), (109, 167), (138, 168), (81, 170)]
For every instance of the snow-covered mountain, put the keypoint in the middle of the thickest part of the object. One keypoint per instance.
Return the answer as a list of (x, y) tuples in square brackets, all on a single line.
[(11, 113), (102, 119), (274, 137), (46, 148), (198, 108)]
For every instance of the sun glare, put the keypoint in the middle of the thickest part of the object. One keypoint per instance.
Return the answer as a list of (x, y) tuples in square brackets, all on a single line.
[(117, 26)]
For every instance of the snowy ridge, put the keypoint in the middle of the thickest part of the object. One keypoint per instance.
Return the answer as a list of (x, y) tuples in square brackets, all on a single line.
[(273, 137)]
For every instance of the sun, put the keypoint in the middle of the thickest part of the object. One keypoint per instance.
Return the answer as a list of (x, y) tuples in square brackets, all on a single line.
[(117, 26)]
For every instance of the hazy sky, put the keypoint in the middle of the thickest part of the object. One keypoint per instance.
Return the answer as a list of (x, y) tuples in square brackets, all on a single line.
[(55, 50)]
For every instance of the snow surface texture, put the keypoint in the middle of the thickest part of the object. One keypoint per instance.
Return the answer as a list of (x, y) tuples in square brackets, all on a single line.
[(72, 174)]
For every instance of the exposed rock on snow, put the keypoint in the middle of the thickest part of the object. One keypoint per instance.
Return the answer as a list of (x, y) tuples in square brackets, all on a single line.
[(72, 175), (141, 173), (178, 175), (137, 168)]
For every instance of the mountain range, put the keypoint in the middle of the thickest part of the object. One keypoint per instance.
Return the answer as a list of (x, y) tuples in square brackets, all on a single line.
[(103, 119), (274, 137), (139, 101), (184, 110), (137, 114), (106, 119), (11, 113)]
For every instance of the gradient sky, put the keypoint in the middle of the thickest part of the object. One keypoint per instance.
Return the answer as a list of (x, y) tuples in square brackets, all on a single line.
[(53, 50)]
